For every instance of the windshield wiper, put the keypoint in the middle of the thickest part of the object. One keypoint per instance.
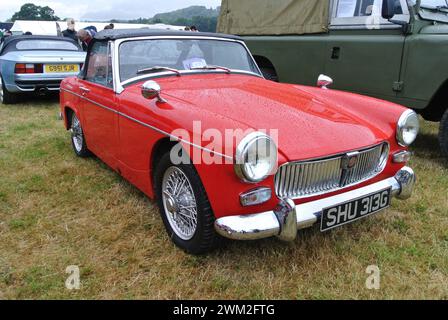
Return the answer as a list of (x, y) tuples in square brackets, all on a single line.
[(208, 67), (157, 68)]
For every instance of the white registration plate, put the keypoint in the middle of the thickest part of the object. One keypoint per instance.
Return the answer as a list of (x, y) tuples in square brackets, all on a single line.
[(355, 209)]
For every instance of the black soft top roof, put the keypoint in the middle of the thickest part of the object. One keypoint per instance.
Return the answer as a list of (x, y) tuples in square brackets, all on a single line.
[(113, 34)]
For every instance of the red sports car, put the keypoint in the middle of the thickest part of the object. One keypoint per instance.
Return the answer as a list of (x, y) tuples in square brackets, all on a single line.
[(188, 119)]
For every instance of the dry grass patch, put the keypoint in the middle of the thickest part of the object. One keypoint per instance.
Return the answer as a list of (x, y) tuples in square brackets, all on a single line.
[(57, 210)]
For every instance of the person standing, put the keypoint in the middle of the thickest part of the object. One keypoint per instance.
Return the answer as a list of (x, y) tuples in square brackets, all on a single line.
[(70, 32), (85, 36)]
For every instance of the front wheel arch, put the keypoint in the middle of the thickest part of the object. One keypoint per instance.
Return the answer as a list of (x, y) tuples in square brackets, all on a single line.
[(161, 147), (437, 106), (68, 113)]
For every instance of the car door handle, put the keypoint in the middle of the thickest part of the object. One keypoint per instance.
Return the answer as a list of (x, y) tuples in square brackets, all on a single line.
[(335, 53), (84, 90)]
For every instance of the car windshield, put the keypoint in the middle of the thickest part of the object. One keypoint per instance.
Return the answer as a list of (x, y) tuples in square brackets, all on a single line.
[(39, 44), (434, 3), (138, 56)]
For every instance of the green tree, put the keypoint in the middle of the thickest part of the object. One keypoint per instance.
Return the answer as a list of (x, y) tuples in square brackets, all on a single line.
[(30, 11), (205, 24), (46, 13)]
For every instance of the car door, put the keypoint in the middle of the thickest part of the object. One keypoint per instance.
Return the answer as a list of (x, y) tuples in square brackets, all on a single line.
[(99, 104), (365, 51)]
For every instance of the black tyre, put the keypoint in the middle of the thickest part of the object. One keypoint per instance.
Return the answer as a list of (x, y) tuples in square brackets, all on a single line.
[(6, 97), (77, 137), (269, 74), (443, 134), (184, 207)]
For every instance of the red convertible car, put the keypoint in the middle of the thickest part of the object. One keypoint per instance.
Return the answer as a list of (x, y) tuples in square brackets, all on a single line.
[(189, 119)]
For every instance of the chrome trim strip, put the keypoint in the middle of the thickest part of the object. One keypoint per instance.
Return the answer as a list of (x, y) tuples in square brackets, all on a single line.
[(174, 138), (267, 224)]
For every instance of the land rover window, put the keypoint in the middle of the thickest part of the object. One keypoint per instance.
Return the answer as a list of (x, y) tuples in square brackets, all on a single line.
[(365, 14), (354, 8), (434, 3)]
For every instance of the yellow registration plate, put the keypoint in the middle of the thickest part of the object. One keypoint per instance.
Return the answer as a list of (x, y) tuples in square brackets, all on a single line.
[(61, 68)]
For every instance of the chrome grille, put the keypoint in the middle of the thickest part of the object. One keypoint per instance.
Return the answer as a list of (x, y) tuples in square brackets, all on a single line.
[(310, 178)]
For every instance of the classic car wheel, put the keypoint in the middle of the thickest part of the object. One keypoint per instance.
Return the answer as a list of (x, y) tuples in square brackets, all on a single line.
[(443, 134), (6, 97), (78, 141), (184, 207)]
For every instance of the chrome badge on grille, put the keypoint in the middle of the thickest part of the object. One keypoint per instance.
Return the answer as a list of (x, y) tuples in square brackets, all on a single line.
[(350, 160)]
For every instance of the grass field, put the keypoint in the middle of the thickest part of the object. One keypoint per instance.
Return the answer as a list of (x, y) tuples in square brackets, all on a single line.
[(57, 210)]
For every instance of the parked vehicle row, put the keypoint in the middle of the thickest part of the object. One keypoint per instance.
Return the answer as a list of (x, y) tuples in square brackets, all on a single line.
[(148, 102)]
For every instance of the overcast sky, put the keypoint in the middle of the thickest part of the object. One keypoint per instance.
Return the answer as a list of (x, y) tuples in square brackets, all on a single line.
[(104, 9)]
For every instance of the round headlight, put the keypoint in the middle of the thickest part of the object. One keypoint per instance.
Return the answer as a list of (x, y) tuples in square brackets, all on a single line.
[(407, 128), (255, 158)]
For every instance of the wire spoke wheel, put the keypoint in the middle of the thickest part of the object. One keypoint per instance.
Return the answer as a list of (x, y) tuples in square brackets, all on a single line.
[(1, 90), (179, 203), (77, 134)]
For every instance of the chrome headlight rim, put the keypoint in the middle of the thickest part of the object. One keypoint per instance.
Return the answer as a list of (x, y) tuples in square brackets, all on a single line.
[(241, 152), (402, 124), (384, 157)]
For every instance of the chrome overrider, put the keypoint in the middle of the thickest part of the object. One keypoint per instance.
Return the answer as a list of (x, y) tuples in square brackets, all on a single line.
[(287, 218)]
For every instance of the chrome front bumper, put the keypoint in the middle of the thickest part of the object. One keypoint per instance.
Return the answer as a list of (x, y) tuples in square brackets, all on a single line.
[(287, 218)]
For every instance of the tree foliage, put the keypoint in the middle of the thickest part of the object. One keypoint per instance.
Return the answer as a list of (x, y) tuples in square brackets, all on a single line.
[(30, 11), (201, 17)]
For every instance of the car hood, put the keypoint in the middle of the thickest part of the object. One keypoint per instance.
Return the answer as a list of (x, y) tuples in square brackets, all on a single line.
[(310, 122)]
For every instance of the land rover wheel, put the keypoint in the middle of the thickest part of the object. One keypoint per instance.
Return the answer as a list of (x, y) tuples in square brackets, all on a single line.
[(78, 140), (184, 207), (443, 134), (6, 97)]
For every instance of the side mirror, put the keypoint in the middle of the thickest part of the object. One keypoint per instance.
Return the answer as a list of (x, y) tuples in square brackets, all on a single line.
[(388, 9), (324, 81), (151, 90)]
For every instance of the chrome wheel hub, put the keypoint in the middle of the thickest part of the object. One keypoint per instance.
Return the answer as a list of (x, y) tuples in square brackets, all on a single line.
[(179, 203), (77, 135)]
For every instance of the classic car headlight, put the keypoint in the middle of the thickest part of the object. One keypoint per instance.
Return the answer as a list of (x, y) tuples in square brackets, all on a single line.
[(407, 128), (256, 157)]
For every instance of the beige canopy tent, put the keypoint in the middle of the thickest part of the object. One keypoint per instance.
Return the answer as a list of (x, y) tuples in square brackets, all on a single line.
[(268, 17)]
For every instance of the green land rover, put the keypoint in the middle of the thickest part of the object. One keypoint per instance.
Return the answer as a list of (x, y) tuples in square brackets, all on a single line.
[(395, 50)]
